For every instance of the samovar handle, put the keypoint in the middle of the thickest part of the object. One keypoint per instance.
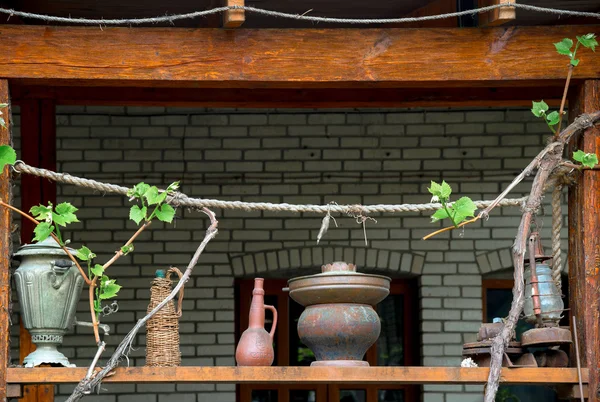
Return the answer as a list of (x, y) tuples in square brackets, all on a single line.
[(58, 269)]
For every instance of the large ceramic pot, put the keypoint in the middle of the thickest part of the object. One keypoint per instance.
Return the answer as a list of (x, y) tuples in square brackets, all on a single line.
[(339, 322), (49, 286)]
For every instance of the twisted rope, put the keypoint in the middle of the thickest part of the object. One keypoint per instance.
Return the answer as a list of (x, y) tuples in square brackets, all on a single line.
[(180, 199), (557, 219), (277, 14)]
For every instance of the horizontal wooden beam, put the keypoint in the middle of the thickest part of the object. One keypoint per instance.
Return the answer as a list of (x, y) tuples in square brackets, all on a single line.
[(305, 375), (294, 98), (292, 58)]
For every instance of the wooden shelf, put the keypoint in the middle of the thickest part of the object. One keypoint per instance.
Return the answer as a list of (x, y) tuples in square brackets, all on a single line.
[(299, 375)]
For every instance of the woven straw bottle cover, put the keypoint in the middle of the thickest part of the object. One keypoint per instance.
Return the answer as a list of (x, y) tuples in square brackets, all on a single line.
[(162, 340)]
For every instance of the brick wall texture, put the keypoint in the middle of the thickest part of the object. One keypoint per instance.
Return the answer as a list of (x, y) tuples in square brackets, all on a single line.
[(295, 156)]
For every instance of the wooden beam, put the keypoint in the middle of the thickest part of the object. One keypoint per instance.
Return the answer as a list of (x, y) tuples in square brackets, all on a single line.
[(292, 58), (498, 16), (233, 18), (299, 375), (294, 98), (584, 241), (433, 8), (38, 136), (5, 247)]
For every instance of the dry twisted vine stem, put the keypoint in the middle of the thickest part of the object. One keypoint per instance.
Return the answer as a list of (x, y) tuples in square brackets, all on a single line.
[(549, 159), (94, 378)]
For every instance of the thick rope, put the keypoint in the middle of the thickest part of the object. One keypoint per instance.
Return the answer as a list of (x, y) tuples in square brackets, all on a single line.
[(172, 18), (183, 200), (557, 219)]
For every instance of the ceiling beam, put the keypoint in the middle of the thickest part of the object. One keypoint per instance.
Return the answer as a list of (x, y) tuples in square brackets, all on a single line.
[(498, 16), (293, 98), (288, 58)]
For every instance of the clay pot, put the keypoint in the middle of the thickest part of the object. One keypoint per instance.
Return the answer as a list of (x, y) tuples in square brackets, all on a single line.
[(255, 347), (339, 323)]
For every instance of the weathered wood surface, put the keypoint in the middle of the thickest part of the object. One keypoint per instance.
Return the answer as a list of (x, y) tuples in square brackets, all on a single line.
[(38, 133), (584, 241), (353, 58), (5, 248), (294, 98), (337, 375)]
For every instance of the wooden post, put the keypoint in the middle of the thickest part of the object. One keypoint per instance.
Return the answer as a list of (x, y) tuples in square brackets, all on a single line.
[(38, 139), (233, 18), (584, 240), (5, 248), (498, 16)]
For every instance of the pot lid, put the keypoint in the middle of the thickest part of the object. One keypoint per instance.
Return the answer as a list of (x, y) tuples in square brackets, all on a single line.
[(49, 246), (337, 268)]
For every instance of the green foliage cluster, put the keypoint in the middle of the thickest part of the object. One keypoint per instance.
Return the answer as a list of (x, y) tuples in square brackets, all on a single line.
[(457, 211), (52, 218)]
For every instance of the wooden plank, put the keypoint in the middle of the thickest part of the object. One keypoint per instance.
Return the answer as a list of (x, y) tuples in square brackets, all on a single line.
[(5, 247), (498, 16), (434, 7), (303, 375), (38, 132), (293, 58), (584, 241), (233, 18), (295, 98)]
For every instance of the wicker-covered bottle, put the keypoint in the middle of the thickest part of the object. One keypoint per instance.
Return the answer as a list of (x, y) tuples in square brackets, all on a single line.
[(162, 339)]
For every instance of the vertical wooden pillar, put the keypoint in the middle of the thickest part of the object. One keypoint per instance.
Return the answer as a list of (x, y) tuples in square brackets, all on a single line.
[(584, 240), (38, 148), (5, 247)]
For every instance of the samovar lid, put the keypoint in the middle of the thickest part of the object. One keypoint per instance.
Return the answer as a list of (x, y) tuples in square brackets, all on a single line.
[(49, 246)]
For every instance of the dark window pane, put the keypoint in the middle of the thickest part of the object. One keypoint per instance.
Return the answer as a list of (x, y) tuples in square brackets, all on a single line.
[(390, 395), (353, 395), (390, 345), (264, 395), (303, 395), (300, 354)]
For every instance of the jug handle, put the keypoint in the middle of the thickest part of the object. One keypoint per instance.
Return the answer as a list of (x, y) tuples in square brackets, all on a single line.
[(274, 326)]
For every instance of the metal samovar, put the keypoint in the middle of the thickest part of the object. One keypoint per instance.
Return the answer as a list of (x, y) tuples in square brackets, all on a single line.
[(49, 286)]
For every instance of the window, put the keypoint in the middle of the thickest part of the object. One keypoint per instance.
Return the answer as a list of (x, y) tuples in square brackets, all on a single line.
[(397, 346)]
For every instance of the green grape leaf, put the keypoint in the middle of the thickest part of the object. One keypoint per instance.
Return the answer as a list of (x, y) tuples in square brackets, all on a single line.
[(539, 108), (138, 190), (435, 189), (553, 118), (446, 190), (137, 214), (127, 249), (97, 306), (564, 46), (439, 215), (42, 213), (154, 197), (172, 187), (98, 270), (586, 159), (42, 231), (588, 40), (575, 62), (109, 289), (8, 156), (65, 214), (84, 254), (463, 208), (165, 213)]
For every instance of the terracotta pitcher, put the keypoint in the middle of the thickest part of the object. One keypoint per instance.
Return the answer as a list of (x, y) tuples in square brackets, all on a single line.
[(255, 347)]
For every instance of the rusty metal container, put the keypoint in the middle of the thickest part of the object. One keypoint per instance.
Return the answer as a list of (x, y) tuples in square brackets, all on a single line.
[(339, 323)]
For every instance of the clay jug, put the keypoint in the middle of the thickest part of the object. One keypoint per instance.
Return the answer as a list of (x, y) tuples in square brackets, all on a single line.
[(255, 347)]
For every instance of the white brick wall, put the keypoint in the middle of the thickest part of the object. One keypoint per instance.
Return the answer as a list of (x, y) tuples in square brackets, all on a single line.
[(296, 156)]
